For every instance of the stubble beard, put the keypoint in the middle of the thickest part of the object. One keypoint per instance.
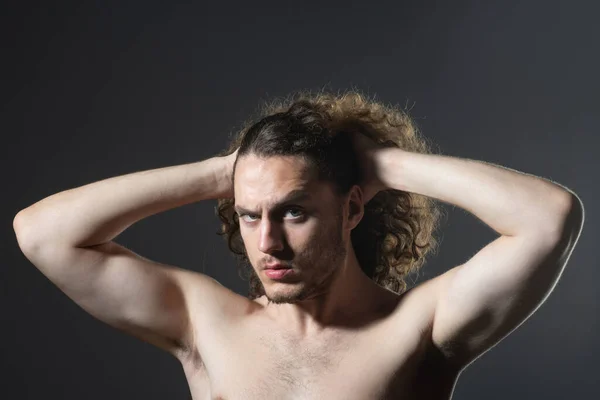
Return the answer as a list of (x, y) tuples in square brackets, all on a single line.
[(328, 253)]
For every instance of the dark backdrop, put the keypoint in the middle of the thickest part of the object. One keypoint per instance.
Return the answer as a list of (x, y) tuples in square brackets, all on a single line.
[(91, 90)]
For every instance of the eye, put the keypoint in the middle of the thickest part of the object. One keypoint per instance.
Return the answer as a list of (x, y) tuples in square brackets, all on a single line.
[(299, 213), (247, 215), (296, 212)]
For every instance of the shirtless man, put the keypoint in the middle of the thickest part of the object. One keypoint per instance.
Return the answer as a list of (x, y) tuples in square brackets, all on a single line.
[(322, 327)]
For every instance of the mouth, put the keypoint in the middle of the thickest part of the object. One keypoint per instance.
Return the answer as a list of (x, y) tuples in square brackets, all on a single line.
[(278, 273), (276, 267)]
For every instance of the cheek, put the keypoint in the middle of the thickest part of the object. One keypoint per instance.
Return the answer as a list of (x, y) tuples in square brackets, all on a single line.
[(311, 243), (247, 241), (307, 243)]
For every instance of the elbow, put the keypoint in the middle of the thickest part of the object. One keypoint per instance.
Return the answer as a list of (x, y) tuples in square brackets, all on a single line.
[(575, 215), (569, 223), (25, 229), (20, 223), (20, 227)]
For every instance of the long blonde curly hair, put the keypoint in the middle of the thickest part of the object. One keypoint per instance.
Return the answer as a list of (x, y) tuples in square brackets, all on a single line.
[(397, 229)]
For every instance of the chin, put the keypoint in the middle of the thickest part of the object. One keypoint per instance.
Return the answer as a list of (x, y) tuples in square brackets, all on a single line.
[(281, 298), (289, 295)]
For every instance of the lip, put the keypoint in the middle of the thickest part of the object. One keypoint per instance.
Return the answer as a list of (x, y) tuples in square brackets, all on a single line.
[(280, 273), (276, 266)]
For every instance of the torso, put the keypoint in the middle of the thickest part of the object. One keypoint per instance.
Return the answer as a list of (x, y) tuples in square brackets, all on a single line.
[(251, 357)]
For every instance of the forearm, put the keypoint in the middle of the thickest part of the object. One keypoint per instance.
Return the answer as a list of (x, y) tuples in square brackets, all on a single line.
[(508, 201), (97, 212)]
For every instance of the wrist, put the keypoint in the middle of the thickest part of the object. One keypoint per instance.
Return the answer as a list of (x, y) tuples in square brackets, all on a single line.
[(387, 163), (224, 175)]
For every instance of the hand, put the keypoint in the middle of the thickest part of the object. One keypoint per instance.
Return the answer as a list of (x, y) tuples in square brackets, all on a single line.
[(368, 152), (227, 163), (232, 157)]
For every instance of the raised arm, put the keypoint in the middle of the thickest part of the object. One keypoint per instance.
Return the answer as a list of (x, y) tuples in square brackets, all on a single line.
[(481, 301), (68, 237)]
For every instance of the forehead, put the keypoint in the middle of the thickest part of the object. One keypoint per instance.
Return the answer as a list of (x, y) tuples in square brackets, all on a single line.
[(262, 182)]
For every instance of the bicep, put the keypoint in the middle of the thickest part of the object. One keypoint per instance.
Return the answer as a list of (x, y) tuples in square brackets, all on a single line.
[(141, 297), (483, 300)]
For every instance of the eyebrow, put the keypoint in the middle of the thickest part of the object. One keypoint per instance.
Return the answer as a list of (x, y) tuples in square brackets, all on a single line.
[(293, 196)]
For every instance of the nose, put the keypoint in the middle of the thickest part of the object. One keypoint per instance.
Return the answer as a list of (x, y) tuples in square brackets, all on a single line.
[(270, 237)]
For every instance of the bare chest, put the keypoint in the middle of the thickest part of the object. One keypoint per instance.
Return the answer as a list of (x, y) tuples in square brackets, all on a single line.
[(261, 362)]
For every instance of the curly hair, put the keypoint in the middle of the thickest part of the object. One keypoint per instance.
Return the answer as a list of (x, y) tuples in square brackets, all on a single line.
[(397, 229)]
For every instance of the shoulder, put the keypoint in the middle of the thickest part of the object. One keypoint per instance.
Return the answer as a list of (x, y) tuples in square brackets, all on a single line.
[(212, 307)]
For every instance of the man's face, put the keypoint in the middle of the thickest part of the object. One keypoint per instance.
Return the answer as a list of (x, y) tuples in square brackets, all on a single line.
[(286, 216)]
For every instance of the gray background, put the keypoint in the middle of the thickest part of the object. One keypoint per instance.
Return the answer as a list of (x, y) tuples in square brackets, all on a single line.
[(91, 91)]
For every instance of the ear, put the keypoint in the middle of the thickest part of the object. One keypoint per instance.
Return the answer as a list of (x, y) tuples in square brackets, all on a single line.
[(355, 206)]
